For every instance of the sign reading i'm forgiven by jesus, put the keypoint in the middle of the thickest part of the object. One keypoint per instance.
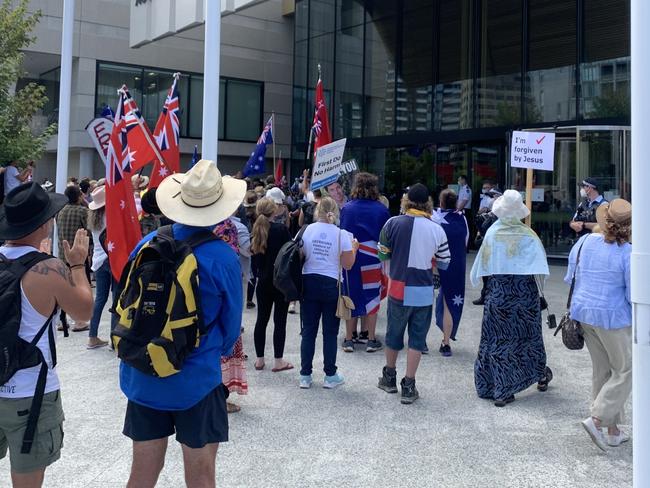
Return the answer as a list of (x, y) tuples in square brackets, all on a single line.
[(534, 150)]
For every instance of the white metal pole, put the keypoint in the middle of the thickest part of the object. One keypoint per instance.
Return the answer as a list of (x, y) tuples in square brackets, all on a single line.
[(640, 37), (65, 91), (211, 59)]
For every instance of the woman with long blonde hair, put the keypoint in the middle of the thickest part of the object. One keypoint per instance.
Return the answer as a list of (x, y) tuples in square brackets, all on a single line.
[(267, 238), (327, 249)]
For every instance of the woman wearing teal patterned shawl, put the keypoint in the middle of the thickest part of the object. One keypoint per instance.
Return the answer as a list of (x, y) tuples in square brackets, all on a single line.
[(511, 354)]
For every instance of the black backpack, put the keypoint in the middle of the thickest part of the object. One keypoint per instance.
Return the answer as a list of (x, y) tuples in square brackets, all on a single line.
[(16, 353), (287, 269), (159, 311)]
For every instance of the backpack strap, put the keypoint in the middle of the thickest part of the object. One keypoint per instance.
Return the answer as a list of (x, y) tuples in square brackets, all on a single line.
[(200, 237), (39, 392)]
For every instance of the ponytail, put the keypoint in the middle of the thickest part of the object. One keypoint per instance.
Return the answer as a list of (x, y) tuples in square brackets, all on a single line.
[(259, 238)]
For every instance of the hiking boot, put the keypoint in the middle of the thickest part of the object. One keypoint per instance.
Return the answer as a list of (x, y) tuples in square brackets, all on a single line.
[(409, 391), (445, 350), (388, 380), (362, 338), (373, 345), (348, 345)]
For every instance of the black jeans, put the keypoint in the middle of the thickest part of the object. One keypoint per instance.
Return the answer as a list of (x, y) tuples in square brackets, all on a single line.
[(268, 298)]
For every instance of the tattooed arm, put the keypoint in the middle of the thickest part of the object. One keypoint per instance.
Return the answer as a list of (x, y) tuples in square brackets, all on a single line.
[(51, 282)]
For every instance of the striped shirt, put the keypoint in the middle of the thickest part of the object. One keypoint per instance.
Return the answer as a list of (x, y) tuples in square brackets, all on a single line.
[(414, 245)]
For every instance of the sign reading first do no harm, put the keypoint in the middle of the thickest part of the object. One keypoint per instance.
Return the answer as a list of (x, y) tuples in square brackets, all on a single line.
[(535, 150)]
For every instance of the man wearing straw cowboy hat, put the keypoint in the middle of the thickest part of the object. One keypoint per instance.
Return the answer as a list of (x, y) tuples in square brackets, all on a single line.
[(191, 403), (33, 435)]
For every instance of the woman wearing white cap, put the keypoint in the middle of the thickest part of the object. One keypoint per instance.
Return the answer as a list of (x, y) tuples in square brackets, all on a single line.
[(511, 355)]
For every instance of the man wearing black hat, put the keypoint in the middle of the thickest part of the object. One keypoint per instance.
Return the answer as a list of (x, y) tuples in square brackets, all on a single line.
[(414, 244), (584, 220), (34, 436)]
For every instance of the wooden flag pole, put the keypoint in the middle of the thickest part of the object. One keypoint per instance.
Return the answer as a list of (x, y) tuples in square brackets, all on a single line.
[(529, 194)]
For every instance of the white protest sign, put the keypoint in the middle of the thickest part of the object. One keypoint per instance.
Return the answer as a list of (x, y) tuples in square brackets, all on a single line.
[(99, 131), (327, 166), (534, 150)]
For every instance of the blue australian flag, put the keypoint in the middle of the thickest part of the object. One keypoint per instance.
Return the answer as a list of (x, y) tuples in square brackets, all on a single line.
[(256, 163), (195, 157)]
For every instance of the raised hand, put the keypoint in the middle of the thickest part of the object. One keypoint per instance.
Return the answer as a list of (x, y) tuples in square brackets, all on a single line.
[(79, 251)]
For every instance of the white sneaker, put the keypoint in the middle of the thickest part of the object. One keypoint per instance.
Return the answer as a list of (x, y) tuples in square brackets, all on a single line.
[(292, 307), (305, 381), (617, 440), (595, 433), (333, 381)]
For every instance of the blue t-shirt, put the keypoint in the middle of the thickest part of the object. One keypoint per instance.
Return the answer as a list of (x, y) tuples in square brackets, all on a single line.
[(221, 303)]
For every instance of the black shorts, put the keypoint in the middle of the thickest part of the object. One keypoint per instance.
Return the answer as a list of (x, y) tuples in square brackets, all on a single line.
[(204, 423)]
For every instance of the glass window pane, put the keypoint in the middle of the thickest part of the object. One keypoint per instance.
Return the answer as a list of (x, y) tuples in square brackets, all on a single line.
[(321, 51), (110, 78), (196, 107), (300, 111), (183, 99), (499, 84), (605, 74), (302, 19), (348, 103), (453, 93), (380, 48), (321, 17), (415, 77), (550, 85), (243, 110), (154, 91), (50, 81), (223, 86)]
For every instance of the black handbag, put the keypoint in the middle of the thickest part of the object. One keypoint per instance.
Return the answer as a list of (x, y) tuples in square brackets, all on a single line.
[(571, 329)]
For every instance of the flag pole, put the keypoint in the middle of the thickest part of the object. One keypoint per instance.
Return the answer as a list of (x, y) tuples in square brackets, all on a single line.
[(146, 133), (273, 138)]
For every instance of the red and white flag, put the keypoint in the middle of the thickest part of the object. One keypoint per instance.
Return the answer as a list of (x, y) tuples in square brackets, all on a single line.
[(279, 170), (142, 147), (320, 126), (166, 135), (122, 226)]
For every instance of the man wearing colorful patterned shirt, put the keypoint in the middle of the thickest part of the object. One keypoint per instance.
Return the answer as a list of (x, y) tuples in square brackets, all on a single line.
[(414, 244)]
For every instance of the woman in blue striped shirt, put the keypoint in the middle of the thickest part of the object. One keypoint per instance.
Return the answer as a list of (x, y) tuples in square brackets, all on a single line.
[(602, 304)]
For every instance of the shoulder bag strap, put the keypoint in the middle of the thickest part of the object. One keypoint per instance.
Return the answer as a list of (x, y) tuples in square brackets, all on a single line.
[(573, 279), (339, 277)]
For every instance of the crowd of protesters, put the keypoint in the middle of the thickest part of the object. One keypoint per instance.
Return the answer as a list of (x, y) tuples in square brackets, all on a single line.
[(352, 248)]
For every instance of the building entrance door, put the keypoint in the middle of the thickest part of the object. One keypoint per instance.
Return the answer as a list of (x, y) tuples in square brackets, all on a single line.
[(602, 152)]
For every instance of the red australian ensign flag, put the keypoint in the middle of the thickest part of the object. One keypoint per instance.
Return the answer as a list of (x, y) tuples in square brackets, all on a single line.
[(166, 135), (320, 126), (122, 226), (142, 147)]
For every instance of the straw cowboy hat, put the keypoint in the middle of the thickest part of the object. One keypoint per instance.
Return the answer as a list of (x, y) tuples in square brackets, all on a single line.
[(99, 198), (26, 208), (201, 197), (510, 204), (618, 211)]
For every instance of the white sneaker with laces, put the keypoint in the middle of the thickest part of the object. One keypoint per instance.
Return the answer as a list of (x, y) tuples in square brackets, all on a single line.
[(617, 440), (595, 433)]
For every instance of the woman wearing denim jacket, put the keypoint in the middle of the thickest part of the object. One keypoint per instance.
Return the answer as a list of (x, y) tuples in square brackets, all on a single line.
[(602, 304), (326, 249)]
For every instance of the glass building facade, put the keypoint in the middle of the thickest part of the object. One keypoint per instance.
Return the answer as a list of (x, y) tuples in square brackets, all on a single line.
[(427, 90)]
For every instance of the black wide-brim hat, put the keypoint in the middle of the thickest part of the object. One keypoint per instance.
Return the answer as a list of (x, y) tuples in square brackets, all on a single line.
[(26, 208)]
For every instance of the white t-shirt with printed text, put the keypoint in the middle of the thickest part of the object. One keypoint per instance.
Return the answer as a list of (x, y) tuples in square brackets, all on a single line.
[(321, 249)]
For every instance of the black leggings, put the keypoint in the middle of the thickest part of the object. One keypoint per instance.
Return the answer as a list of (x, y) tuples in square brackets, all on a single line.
[(267, 297)]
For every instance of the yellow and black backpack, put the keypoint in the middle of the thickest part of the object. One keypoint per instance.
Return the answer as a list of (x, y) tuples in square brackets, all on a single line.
[(158, 309)]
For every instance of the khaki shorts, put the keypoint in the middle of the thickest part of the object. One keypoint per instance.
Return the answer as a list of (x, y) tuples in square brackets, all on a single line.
[(49, 432)]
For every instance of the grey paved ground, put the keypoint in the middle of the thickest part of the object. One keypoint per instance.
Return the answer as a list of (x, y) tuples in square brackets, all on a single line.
[(357, 435)]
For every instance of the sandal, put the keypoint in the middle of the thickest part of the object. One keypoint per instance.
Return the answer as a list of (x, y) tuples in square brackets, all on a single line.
[(286, 367), (258, 367), (80, 329), (232, 408)]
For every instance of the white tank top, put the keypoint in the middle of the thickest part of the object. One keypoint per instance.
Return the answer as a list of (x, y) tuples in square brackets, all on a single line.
[(23, 383)]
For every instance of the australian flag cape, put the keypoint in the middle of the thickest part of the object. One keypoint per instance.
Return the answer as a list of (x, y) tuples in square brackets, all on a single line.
[(452, 279)]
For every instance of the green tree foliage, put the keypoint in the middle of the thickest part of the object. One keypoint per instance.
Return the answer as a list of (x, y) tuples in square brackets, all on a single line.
[(17, 107)]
